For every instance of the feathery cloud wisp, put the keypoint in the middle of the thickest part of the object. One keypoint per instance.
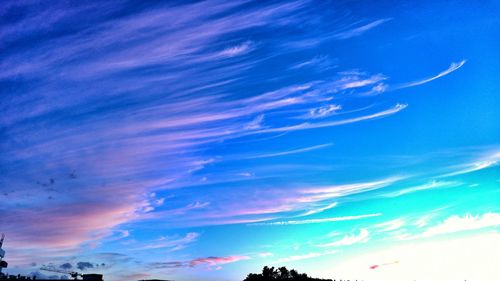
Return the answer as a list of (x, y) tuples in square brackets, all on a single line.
[(475, 166), (454, 66), (391, 225), (211, 262), (294, 151), (304, 256), (307, 126), (467, 222), (319, 210), (426, 186), (357, 31), (173, 243), (362, 237), (333, 191), (324, 220)]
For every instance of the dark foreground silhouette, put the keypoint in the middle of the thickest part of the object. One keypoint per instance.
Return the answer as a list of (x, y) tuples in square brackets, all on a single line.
[(282, 273)]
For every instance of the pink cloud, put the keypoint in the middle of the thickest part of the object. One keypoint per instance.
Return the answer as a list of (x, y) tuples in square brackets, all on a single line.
[(211, 263), (214, 261)]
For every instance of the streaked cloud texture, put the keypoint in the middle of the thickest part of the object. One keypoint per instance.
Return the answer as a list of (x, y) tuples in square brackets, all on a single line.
[(202, 140)]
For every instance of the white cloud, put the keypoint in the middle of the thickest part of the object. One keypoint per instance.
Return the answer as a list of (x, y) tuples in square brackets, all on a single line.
[(379, 88), (334, 234), (362, 237), (360, 29), (319, 210), (430, 185), (334, 219), (200, 165), (476, 166), (358, 83), (294, 151), (333, 191), (421, 222), (255, 123), (237, 50), (197, 205), (172, 243), (307, 126), (266, 254), (305, 256), (467, 222), (322, 62), (454, 66), (324, 111), (391, 225)]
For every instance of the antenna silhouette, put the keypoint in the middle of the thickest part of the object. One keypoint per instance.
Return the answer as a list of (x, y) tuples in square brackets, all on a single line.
[(3, 264), (73, 274)]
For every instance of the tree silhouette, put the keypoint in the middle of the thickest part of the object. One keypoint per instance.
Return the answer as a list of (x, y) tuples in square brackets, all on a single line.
[(282, 273), (294, 274)]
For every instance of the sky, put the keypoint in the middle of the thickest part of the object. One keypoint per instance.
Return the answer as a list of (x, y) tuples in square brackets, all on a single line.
[(202, 140)]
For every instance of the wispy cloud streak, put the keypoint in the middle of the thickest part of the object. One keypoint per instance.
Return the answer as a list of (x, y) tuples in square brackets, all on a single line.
[(357, 31), (454, 66), (307, 126), (468, 222), (304, 256), (294, 151), (209, 262), (431, 185), (320, 209), (324, 220), (116, 116), (348, 240)]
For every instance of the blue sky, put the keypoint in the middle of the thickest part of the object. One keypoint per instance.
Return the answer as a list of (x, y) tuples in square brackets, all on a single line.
[(189, 140)]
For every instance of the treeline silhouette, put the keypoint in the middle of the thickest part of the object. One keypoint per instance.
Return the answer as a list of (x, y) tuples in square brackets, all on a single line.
[(282, 273)]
